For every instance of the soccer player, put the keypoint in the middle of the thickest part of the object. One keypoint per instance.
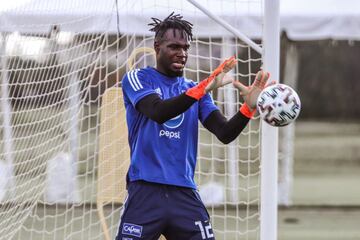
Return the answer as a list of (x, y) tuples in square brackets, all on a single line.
[(162, 113)]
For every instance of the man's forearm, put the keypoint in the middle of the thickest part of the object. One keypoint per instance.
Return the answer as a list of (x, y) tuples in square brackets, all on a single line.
[(160, 110), (226, 130)]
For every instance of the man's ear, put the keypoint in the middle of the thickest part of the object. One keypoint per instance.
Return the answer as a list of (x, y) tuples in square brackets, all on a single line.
[(156, 46)]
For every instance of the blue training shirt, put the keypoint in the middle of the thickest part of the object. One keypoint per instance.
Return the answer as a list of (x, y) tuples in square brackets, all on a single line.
[(162, 153)]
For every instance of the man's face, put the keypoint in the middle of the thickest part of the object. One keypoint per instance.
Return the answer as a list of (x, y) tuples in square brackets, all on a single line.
[(172, 52)]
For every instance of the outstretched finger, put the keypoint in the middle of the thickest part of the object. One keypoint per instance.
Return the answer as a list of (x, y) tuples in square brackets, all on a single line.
[(267, 76), (229, 60), (261, 78), (220, 68), (230, 65), (226, 62), (273, 82)]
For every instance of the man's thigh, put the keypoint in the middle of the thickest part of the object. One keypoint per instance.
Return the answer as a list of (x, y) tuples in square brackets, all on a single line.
[(142, 216), (189, 217)]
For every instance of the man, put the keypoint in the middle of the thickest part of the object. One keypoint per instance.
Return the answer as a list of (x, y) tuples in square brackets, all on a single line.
[(162, 111)]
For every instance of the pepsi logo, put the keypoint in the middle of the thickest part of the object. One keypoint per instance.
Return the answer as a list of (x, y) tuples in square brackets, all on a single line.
[(175, 122)]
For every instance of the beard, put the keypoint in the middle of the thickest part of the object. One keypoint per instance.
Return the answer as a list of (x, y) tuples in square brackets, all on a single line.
[(173, 72), (177, 73)]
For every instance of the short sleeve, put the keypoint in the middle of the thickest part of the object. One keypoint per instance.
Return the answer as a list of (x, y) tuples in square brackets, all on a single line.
[(206, 106), (136, 84)]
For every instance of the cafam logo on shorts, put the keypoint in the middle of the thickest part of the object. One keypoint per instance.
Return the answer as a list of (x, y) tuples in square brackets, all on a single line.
[(175, 122), (132, 229)]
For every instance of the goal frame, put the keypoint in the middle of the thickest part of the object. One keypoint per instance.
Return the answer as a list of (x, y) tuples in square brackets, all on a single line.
[(100, 72), (270, 52)]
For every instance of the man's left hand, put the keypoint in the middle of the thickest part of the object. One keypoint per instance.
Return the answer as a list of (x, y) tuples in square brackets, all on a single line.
[(251, 93)]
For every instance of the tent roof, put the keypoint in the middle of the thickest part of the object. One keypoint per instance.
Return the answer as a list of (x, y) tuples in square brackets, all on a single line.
[(302, 20)]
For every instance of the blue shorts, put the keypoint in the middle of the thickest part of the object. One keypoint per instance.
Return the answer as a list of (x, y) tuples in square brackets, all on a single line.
[(152, 209)]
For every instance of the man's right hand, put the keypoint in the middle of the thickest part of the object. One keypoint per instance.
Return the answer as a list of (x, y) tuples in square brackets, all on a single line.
[(217, 78)]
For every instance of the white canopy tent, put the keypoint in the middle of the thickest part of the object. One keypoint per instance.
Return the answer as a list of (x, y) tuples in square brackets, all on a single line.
[(301, 20)]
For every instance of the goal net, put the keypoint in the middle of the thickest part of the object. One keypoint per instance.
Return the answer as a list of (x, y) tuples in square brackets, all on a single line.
[(63, 138)]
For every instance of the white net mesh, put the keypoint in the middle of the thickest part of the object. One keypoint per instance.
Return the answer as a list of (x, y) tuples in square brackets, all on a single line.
[(63, 138)]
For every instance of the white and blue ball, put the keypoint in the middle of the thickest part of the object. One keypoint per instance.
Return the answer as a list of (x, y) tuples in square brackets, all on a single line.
[(278, 105)]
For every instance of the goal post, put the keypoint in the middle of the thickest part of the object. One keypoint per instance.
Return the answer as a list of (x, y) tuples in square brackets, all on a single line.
[(270, 135), (62, 107)]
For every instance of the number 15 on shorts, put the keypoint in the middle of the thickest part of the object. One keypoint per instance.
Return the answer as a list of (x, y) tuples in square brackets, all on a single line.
[(206, 231)]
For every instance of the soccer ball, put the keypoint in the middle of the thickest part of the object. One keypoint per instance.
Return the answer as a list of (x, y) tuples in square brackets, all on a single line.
[(278, 105)]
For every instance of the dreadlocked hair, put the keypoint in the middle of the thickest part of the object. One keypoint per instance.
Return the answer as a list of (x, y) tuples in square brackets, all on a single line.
[(173, 21)]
